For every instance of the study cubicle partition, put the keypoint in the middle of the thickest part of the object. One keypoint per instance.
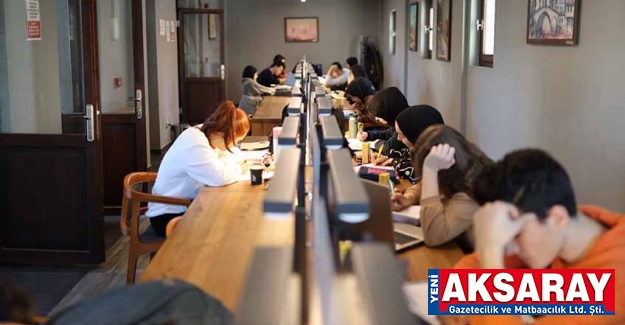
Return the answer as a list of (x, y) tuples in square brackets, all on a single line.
[(313, 282)]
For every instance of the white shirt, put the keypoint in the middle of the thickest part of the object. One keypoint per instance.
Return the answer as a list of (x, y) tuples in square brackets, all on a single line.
[(330, 81), (190, 164)]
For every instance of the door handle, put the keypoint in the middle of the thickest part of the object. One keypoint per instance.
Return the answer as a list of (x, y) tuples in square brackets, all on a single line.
[(138, 99), (89, 123), (223, 72)]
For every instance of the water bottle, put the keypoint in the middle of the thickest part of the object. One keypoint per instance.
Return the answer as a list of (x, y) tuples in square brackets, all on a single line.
[(353, 126)]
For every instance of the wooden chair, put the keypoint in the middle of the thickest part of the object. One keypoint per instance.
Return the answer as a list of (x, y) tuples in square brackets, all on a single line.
[(148, 241)]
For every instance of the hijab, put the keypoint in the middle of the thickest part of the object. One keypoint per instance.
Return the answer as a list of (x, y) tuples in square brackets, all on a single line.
[(387, 104), (414, 120), (360, 88)]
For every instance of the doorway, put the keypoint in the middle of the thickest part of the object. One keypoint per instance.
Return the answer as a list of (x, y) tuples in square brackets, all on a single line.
[(50, 134), (201, 63), (121, 30)]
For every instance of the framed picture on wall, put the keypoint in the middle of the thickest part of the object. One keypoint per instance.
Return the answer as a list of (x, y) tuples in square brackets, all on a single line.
[(414, 20), (301, 29), (552, 22), (212, 28), (443, 30)]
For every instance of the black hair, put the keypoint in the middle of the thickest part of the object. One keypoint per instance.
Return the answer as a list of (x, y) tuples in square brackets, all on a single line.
[(249, 72), (278, 64), (338, 65), (358, 71), (530, 179), (352, 61), (278, 58)]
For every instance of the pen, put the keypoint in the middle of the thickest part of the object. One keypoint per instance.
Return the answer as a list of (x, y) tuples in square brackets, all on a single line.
[(380, 152), (393, 192)]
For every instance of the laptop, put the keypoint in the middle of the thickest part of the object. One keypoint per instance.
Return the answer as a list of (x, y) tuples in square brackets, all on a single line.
[(380, 223), (290, 79)]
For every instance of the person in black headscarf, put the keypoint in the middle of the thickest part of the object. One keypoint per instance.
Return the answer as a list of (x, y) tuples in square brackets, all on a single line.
[(409, 125), (356, 71), (359, 94), (386, 105)]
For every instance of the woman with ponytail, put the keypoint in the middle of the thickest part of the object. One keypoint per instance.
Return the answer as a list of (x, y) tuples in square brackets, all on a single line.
[(204, 155)]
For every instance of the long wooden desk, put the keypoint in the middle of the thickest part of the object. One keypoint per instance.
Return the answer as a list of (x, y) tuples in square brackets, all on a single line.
[(268, 114), (213, 245)]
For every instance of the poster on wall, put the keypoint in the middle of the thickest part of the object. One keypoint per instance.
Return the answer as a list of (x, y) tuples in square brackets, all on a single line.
[(552, 22), (443, 30), (301, 29), (33, 20), (167, 29), (172, 31), (414, 13), (162, 27)]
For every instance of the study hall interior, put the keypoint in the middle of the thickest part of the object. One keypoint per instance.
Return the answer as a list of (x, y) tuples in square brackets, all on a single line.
[(313, 151)]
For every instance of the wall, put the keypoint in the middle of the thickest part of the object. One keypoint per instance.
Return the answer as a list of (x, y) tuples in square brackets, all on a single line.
[(163, 78), (31, 72), (566, 100), (255, 33), (116, 56), (428, 81)]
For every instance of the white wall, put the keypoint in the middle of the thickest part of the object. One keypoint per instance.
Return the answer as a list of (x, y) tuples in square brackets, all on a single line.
[(255, 33), (163, 73), (569, 101), (32, 68), (429, 81)]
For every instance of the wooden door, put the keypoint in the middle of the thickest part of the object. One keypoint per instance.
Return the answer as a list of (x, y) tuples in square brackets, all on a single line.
[(50, 143), (124, 138), (201, 63)]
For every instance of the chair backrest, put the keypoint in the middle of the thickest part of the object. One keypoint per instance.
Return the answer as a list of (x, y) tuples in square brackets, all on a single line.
[(133, 184), (134, 196)]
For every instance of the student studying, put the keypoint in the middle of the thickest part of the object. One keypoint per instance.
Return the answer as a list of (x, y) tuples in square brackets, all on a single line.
[(252, 91), (447, 163), (386, 105), (530, 219), (204, 155)]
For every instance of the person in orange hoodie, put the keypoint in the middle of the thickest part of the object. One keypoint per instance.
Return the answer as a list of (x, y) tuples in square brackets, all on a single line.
[(529, 219)]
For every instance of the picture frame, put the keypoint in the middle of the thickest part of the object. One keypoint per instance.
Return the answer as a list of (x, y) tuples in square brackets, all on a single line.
[(301, 29), (212, 28), (413, 38), (443, 30), (553, 23)]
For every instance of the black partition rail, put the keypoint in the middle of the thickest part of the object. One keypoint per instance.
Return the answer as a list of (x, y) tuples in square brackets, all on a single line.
[(309, 283)]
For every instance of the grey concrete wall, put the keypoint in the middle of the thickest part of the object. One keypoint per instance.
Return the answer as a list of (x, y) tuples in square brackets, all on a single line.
[(428, 81), (166, 74), (255, 33), (567, 100)]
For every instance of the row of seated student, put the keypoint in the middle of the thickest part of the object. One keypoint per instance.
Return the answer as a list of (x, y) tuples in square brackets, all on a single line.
[(518, 212)]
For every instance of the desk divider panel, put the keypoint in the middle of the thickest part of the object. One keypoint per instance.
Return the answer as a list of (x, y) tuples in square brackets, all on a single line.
[(284, 285)]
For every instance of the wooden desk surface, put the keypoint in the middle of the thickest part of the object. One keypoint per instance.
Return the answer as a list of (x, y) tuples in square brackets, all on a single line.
[(268, 114), (270, 109), (213, 245)]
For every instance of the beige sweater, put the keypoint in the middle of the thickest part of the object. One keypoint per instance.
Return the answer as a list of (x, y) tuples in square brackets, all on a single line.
[(444, 220)]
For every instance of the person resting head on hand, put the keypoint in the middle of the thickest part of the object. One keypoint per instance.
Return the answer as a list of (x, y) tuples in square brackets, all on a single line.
[(530, 218), (447, 163)]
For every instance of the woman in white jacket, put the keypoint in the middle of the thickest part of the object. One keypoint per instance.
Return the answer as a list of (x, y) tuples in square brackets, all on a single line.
[(204, 155), (252, 91)]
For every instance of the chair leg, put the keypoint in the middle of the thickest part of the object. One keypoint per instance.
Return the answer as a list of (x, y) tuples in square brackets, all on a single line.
[(133, 256)]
